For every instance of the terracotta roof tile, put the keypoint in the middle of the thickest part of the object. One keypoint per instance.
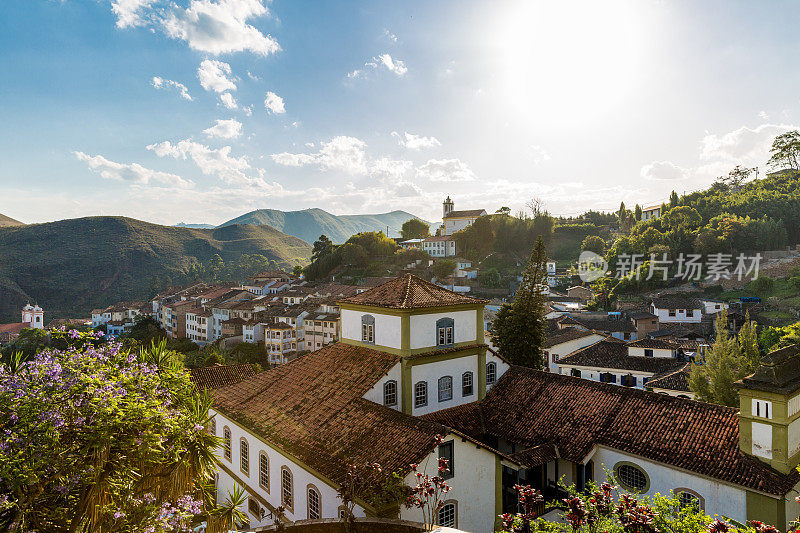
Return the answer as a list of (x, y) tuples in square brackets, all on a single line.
[(613, 355), (566, 335), (216, 376), (465, 213), (409, 292), (530, 408), (675, 380)]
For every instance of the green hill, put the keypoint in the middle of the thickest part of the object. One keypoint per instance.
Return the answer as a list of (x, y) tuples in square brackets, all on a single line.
[(309, 224), (8, 221), (72, 266)]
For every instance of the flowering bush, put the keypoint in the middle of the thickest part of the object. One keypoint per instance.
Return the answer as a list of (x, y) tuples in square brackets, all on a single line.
[(94, 438), (603, 509), (427, 494)]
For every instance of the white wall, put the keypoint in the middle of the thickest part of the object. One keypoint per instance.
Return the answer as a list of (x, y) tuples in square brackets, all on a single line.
[(680, 315), (387, 328), (593, 374), (568, 347), (713, 307), (431, 372), (375, 394), (473, 485), (657, 352), (452, 225), (330, 501), (720, 498), (502, 367), (423, 328)]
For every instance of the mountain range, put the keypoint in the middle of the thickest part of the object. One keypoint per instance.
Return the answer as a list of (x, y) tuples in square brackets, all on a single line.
[(309, 224), (8, 221), (71, 266)]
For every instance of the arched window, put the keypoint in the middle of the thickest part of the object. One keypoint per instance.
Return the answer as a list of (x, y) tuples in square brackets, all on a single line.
[(491, 373), (390, 393), (213, 426), (445, 335), (445, 388), (466, 384), (314, 503), (287, 489), (263, 471), (244, 456), (631, 477), (226, 442), (368, 329), (421, 394), (448, 514), (690, 498)]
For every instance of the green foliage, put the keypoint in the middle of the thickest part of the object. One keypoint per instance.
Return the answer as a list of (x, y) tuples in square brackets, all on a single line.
[(593, 243), (729, 360), (682, 217), (637, 213), (489, 278), (762, 286), (504, 235), (414, 228), (114, 442), (218, 270), (519, 327), (360, 251), (775, 337), (785, 152), (322, 248), (444, 268)]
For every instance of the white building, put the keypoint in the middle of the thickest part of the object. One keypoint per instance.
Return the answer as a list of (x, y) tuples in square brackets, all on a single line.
[(33, 315), (453, 221), (565, 341), (653, 211), (676, 308), (439, 246)]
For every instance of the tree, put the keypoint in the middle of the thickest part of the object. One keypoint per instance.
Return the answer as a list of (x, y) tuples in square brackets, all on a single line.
[(593, 243), (673, 200), (785, 152), (114, 442), (536, 206), (519, 328), (353, 254), (729, 360), (622, 213), (297, 270), (322, 247), (504, 211), (414, 228), (444, 268), (684, 217), (637, 213)]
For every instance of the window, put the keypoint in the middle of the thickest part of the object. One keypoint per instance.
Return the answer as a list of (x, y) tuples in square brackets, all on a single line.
[(466, 384), (555, 357), (314, 503), (608, 377), (491, 373), (632, 478), (367, 329), (671, 312), (648, 352), (762, 408), (226, 438), (254, 508), (445, 388), (447, 515), (287, 490), (575, 373), (390, 393), (420, 394), (629, 381), (446, 452), (244, 457), (213, 428), (689, 498), (263, 471), (444, 332)]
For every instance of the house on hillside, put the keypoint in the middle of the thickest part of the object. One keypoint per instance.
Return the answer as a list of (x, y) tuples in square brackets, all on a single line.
[(439, 246), (651, 212), (677, 308), (562, 342), (453, 221)]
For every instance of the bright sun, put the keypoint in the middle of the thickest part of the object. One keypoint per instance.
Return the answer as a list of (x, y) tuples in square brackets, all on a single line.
[(559, 56)]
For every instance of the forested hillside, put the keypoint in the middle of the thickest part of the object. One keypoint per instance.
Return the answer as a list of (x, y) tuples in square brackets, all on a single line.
[(71, 266)]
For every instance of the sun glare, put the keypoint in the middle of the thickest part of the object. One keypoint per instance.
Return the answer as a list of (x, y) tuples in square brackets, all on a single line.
[(576, 56)]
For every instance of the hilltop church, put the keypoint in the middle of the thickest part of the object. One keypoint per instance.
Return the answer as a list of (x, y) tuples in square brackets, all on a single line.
[(413, 366), (32, 317)]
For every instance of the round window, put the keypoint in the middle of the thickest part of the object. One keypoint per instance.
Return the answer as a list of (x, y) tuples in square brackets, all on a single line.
[(632, 477)]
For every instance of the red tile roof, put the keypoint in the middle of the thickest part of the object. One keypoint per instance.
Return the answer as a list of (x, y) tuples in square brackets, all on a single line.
[(465, 213), (14, 328), (566, 335), (530, 408), (675, 380), (609, 354), (313, 409), (409, 292), (216, 376)]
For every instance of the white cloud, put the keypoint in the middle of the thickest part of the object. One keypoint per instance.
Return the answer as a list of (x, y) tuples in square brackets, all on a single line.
[(252, 76), (229, 101), (763, 115), (274, 103), (743, 144), (393, 65), (220, 26), (415, 142), (130, 172), (539, 154), (225, 129), (445, 170), (391, 169), (130, 12), (161, 83), (389, 35), (663, 171), (210, 161), (341, 153), (216, 76)]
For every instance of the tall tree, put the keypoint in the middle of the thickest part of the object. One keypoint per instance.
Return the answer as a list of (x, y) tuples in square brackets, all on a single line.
[(322, 247), (673, 200), (637, 212), (414, 228), (785, 152), (519, 327)]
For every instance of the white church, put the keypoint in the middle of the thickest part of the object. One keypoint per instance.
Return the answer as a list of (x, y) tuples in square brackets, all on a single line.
[(413, 365)]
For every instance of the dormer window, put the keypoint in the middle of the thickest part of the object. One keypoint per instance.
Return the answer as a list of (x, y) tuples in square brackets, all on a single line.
[(368, 329), (444, 332)]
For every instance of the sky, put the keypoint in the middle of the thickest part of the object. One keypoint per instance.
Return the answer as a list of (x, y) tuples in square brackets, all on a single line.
[(201, 110)]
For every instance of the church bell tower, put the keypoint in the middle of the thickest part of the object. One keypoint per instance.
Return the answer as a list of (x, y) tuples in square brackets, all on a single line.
[(447, 207)]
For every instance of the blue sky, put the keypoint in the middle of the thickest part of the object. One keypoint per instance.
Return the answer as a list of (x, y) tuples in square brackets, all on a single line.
[(201, 110)]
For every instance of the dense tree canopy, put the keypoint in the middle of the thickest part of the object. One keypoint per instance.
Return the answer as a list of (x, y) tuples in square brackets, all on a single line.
[(414, 228)]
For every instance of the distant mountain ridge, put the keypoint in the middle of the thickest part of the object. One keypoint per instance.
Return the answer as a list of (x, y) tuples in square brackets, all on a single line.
[(309, 224), (70, 266), (8, 221), (194, 226)]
